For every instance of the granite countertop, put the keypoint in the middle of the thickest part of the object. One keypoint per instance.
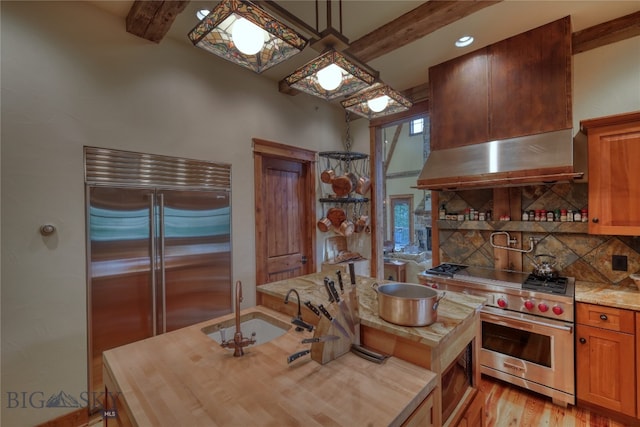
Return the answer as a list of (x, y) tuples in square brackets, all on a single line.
[(185, 378), (454, 308), (619, 296)]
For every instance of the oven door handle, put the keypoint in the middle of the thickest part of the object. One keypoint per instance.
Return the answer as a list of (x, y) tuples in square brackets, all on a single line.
[(496, 315)]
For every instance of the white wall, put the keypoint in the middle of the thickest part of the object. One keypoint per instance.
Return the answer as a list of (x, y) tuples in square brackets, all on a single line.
[(72, 76), (606, 81)]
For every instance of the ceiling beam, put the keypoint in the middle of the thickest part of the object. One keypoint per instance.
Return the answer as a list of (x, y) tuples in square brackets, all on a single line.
[(608, 32), (413, 25), (152, 19)]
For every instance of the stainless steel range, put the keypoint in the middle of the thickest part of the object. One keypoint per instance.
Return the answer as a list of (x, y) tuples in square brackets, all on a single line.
[(527, 325)]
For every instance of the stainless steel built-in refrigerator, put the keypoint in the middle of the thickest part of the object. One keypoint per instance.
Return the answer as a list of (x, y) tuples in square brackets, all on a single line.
[(159, 249)]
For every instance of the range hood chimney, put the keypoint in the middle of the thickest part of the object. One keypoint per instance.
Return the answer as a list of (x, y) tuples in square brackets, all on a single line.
[(533, 159)]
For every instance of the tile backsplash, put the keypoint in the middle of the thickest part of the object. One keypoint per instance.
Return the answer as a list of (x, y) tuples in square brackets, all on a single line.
[(578, 254)]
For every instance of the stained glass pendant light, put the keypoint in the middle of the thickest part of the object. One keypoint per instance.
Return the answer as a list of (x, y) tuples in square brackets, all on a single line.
[(380, 100), (331, 75), (243, 33)]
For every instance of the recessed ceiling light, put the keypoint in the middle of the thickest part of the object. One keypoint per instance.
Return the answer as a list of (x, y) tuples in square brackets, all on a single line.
[(464, 41), (202, 13)]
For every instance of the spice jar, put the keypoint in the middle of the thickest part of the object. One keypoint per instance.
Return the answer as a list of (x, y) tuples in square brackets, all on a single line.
[(577, 217), (543, 215), (550, 216), (585, 215), (525, 216), (569, 215), (563, 215)]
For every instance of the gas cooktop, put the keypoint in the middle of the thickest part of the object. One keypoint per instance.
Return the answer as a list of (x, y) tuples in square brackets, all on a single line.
[(502, 278)]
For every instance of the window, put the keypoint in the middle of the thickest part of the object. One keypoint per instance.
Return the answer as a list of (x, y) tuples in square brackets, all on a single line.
[(417, 126), (401, 221)]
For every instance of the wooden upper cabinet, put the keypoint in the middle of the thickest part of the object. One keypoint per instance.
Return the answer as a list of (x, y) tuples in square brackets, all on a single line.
[(519, 86), (614, 174), (530, 83), (460, 89)]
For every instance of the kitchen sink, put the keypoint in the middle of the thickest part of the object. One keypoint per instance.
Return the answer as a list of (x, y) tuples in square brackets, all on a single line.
[(267, 328)]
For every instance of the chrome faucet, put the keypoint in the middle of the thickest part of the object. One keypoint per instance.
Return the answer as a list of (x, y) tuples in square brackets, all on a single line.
[(297, 320), (239, 342)]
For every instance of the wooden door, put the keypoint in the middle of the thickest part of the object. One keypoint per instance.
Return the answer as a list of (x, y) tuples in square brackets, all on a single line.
[(285, 211), (605, 374)]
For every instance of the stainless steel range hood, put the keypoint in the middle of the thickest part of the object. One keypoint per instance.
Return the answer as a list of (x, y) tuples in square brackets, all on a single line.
[(533, 159)]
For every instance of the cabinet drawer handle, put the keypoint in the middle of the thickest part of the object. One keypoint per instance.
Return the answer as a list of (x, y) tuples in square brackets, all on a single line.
[(582, 340), (595, 220), (603, 317)]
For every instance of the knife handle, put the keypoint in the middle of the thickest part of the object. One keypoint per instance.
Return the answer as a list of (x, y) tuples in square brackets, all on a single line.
[(326, 286), (339, 274), (352, 272), (325, 312), (312, 308), (297, 355), (334, 292)]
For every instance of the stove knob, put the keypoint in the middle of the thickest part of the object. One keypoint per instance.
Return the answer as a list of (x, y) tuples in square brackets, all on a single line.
[(557, 310), (529, 305), (502, 303), (543, 307)]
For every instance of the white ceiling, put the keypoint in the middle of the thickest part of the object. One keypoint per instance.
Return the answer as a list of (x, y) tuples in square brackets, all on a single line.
[(408, 66)]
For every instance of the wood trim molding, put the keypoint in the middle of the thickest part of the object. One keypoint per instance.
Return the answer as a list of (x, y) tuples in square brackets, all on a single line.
[(276, 149), (413, 25), (151, 20), (606, 33)]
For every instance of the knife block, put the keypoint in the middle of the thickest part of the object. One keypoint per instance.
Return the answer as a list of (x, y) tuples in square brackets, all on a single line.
[(324, 352)]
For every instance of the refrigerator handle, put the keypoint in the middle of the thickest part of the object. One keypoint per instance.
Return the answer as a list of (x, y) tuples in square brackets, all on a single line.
[(152, 222), (162, 273)]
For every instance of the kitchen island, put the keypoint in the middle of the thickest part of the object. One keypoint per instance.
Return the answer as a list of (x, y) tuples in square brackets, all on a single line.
[(435, 347), (185, 378)]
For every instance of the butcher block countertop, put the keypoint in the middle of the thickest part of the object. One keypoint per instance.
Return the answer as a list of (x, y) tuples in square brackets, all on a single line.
[(453, 310), (618, 296), (185, 378)]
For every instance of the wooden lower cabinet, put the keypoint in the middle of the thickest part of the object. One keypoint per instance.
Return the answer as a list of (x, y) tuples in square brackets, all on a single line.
[(606, 358), (423, 415), (475, 414)]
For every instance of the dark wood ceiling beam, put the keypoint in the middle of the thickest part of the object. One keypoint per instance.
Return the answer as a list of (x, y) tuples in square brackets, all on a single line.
[(413, 25), (151, 20), (608, 32)]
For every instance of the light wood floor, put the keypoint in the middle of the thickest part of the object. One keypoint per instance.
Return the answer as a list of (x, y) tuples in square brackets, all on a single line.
[(512, 406)]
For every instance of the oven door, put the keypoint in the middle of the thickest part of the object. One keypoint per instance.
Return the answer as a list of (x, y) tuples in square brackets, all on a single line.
[(529, 351)]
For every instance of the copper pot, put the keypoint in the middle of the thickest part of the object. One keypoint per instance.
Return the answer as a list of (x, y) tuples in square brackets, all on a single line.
[(361, 223), (324, 224), (407, 304), (336, 216), (363, 185), (346, 228), (342, 186), (327, 176)]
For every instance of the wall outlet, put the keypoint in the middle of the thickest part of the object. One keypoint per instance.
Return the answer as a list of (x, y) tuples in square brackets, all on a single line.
[(619, 262)]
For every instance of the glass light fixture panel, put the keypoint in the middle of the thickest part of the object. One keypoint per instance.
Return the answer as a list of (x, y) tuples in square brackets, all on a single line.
[(214, 34), (354, 77), (359, 103)]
